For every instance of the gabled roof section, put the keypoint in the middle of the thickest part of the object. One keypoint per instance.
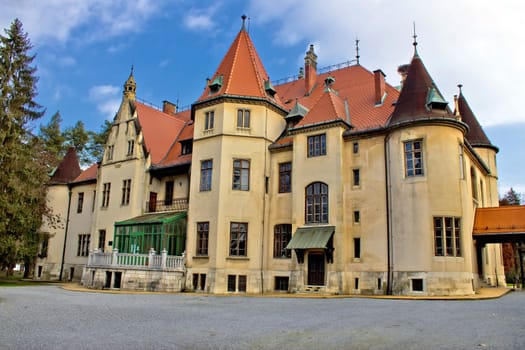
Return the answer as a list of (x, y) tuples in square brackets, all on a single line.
[(158, 129), (241, 73), (475, 135), (356, 85), (328, 108), (174, 155), (67, 170), (88, 175), (419, 98)]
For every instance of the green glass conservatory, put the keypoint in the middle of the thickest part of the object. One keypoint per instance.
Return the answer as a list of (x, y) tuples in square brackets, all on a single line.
[(158, 231)]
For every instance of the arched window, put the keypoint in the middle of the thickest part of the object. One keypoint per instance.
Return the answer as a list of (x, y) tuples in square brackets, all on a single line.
[(316, 203)]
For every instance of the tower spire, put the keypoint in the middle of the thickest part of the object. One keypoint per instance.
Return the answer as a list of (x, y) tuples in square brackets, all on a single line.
[(130, 86)]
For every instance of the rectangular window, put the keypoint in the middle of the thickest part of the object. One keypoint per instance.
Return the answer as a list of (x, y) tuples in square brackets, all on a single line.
[(206, 172), (80, 202), (168, 193), (109, 154), (357, 217), (242, 283), (317, 145), (355, 146), (282, 234), (413, 158), (131, 147), (417, 284), (241, 175), (281, 283), (101, 239), (285, 177), (203, 231), (356, 178), (105, 194), (94, 200), (186, 147), (126, 191), (83, 245), (238, 238), (232, 281), (379, 284), (243, 118), (209, 120), (447, 236), (357, 247), (44, 247), (356, 283)]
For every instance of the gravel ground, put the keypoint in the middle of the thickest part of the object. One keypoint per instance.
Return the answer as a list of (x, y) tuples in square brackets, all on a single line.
[(48, 317)]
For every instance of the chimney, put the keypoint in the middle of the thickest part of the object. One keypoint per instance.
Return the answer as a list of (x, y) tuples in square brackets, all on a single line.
[(310, 68), (379, 83), (169, 108), (403, 71)]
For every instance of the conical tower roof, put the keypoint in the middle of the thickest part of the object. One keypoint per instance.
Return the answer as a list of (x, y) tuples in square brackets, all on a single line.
[(67, 170), (419, 98), (241, 73), (475, 136)]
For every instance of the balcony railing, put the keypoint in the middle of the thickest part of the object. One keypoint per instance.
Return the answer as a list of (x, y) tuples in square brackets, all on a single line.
[(176, 204), (152, 261)]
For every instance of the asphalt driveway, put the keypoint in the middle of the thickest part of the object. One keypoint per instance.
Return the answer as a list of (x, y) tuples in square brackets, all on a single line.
[(48, 317)]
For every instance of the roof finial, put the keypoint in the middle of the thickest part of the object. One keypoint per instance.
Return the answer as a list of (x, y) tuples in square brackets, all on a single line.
[(357, 50), (415, 39), (243, 22), (460, 86), (132, 68)]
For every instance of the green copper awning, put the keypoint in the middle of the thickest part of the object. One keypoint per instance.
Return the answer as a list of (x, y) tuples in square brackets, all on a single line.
[(158, 218), (311, 237)]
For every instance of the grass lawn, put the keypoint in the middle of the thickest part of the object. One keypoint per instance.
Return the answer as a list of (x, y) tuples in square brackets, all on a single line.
[(15, 281)]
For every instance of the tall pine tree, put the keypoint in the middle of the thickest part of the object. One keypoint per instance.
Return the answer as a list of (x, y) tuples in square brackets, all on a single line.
[(23, 175)]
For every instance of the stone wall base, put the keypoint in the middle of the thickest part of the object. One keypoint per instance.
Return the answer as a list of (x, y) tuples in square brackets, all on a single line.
[(133, 279)]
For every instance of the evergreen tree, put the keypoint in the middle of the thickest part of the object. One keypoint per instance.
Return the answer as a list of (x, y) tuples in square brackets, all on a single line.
[(54, 139), (510, 198), (78, 137), (98, 141), (22, 190)]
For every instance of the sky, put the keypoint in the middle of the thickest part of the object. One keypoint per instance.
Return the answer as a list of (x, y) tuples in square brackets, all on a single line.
[(85, 51)]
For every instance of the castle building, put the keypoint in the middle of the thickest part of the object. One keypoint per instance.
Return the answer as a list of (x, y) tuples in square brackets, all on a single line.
[(333, 182)]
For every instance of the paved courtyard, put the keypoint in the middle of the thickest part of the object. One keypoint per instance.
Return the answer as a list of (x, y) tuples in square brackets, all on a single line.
[(48, 317)]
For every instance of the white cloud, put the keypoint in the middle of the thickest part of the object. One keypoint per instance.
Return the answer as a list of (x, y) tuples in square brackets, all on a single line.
[(201, 19), (106, 98), (475, 43), (56, 20)]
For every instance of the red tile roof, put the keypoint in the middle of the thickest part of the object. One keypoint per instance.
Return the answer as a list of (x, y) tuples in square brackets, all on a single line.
[(68, 169), (354, 84), (329, 107), (90, 174), (159, 129), (510, 219), (242, 72), (412, 102), (174, 156), (475, 136)]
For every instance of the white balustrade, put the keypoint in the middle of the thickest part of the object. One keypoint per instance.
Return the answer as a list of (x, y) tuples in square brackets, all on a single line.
[(152, 261)]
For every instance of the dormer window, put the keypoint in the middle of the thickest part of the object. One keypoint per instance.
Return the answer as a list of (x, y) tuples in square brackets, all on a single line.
[(268, 87), (435, 100), (216, 84), (186, 147)]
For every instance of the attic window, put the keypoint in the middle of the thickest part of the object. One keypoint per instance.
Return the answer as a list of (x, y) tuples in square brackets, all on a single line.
[(216, 84), (269, 88), (186, 147), (435, 100)]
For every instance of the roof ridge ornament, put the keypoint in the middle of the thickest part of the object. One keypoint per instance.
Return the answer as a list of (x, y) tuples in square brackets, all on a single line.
[(415, 39), (357, 50), (243, 28)]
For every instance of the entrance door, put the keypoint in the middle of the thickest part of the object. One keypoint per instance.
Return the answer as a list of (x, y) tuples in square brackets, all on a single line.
[(316, 269)]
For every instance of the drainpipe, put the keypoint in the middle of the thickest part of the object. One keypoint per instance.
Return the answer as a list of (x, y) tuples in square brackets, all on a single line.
[(390, 252), (65, 233), (264, 201)]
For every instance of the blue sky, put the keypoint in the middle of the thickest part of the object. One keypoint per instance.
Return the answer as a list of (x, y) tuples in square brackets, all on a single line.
[(85, 50)]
